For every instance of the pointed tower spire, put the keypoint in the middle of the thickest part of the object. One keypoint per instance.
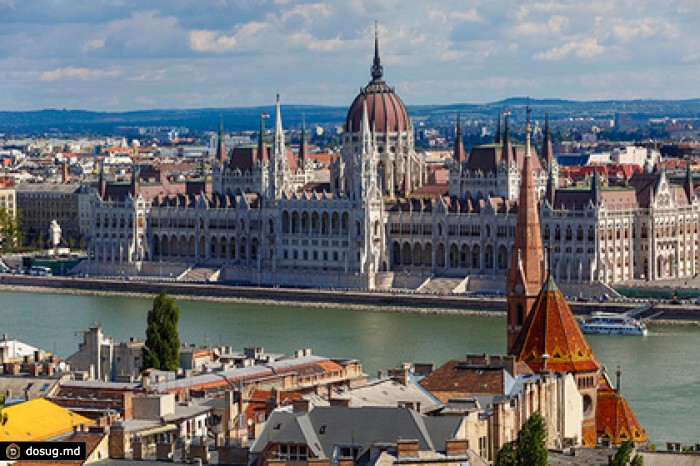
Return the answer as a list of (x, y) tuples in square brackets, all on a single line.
[(526, 271), (377, 70), (135, 188), (262, 147), (279, 132), (506, 148), (303, 147), (102, 183), (551, 191), (459, 156), (689, 185), (221, 144), (547, 149), (498, 129), (595, 186)]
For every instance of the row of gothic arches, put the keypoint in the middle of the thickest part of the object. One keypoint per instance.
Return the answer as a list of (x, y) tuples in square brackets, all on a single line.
[(233, 248), (315, 223), (458, 256)]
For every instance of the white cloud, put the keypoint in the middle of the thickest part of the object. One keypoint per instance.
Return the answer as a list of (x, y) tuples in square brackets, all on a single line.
[(587, 48), (470, 15), (80, 74), (209, 41), (94, 44)]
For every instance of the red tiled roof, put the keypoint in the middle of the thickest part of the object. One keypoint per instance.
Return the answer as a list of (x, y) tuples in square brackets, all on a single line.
[(552, 329), (456, 379), (614, 417)]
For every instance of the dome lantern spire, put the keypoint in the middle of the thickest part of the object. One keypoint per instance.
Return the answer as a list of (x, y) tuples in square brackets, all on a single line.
[(377, 70)]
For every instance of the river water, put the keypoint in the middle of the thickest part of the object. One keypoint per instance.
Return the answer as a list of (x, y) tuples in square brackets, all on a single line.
[(660, 372)]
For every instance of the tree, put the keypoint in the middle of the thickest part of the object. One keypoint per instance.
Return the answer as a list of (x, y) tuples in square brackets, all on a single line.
[(529, 449), (10, 229), (530, 446), (623, 455), (162, 350), (506, 456)]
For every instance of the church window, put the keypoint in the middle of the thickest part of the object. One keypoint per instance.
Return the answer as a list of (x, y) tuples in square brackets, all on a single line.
[(579, 233), (557, 233), (546, 232)]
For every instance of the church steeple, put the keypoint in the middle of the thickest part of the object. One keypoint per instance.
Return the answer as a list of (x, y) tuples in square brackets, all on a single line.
[(377, 70), (459, 155), (526, 271), (221, 143)]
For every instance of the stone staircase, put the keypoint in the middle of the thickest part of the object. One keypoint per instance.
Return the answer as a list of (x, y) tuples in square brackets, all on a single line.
[(440, 285), (200, 274)]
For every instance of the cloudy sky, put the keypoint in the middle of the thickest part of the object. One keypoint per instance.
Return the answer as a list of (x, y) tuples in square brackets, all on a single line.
[(141, 54)]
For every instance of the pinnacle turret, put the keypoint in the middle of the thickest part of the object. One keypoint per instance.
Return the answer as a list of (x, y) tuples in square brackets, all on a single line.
[(377, 70)]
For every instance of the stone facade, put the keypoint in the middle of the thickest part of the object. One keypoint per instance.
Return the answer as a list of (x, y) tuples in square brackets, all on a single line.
[(268, 221)]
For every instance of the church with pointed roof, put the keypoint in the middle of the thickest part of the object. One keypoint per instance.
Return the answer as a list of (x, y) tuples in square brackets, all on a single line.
[(543, 332)]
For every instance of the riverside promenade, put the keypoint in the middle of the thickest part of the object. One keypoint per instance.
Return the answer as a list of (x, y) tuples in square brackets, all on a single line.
[(380, 301)]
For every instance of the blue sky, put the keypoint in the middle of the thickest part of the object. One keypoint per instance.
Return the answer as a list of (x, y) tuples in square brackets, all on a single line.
[(141, 54)]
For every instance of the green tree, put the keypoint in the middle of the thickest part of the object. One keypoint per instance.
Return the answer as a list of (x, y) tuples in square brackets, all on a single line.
[(623, 455), (10, 229), (529, 449), (162, 350), (506, 456), (530, 446)]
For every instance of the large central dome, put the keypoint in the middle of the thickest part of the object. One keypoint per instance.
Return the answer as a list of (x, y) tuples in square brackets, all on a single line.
[(385, 110)]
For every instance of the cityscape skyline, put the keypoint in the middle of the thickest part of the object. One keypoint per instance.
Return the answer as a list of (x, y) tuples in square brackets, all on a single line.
[(125, 55)]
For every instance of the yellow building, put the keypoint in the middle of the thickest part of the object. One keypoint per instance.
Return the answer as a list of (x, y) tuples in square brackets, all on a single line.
[(38, 419)]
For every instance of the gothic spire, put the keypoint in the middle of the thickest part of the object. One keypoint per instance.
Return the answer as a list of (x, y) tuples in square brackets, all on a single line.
[(547, 149), (136, 174), (595, 186), (550, 193), (689, 185), (303, 147), (506, 149), (221, 143), (262, 148), (377, 70), (498, 129), (459, 156)]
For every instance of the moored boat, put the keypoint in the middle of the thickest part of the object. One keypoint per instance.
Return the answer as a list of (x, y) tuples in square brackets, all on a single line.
[(612, 323)]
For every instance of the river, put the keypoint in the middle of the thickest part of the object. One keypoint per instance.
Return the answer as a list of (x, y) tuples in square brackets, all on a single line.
[(660, 375)]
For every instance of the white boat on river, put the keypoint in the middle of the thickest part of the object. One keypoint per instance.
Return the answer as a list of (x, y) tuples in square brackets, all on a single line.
[(615, 323)]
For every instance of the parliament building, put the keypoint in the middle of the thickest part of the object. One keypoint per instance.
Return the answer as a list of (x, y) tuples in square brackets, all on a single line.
[(266, 220)]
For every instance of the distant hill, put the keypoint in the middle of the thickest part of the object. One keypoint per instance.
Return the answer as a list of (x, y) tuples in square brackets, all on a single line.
[(248, 118)]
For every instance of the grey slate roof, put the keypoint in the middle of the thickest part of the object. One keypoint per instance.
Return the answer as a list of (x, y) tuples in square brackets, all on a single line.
[(362, 427)]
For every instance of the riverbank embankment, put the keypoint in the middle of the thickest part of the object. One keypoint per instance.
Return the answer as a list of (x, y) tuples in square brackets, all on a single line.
[(379, 301)]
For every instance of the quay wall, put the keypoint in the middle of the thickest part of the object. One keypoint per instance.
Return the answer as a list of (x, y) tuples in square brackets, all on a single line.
[(370, 300)]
